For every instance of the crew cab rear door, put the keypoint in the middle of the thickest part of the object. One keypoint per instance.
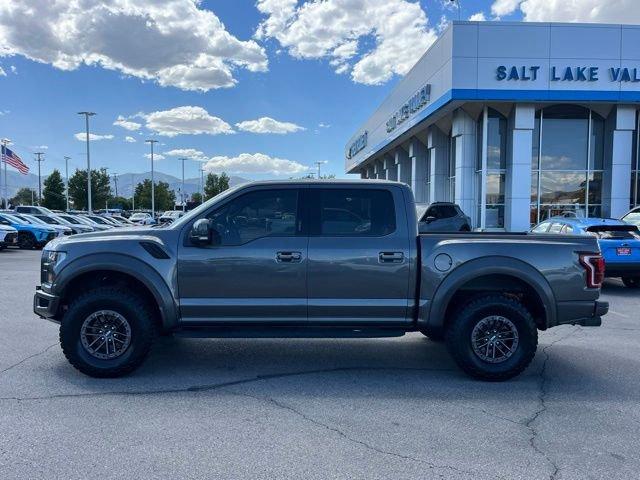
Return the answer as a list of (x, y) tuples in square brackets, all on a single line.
[(359, 256), (257, 272)]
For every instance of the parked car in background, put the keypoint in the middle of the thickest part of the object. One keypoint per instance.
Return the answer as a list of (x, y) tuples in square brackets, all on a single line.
[(124, 222), (8, 236), (100, 220), (29, 236), (68, 220), (619, 243), (170, 216), (95, 225), (32, 209), (632, 217), (442, 217), (32, 219), (279, 259), (142, 218)]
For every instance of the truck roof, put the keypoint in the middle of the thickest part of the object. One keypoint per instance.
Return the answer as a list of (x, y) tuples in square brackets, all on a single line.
[(311, 181)]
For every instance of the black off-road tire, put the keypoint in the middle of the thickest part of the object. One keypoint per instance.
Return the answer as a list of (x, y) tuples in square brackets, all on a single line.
[(459, 337), (631, 282), (26, 241), (132, 307)]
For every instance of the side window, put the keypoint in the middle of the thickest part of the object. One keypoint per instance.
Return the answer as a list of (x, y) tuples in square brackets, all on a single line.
[(263, 213), (355, 213), (542, 228), (555, 227), (445, 211)]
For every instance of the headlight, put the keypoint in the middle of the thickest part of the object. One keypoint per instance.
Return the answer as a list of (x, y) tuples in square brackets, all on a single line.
[(50, 259)]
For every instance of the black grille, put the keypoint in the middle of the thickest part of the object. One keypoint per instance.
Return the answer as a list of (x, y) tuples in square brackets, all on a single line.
[(11, 237)]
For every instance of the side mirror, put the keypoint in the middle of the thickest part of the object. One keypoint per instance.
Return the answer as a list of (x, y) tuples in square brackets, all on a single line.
[(200, 233)]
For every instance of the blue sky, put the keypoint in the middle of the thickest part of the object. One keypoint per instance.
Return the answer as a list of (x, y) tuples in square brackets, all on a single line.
[(291, 73)]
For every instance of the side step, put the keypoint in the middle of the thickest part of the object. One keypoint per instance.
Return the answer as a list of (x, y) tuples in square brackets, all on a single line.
[(285, 332)]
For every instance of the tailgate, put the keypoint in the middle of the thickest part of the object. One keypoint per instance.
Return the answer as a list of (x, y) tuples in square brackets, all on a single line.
[(620, 251)]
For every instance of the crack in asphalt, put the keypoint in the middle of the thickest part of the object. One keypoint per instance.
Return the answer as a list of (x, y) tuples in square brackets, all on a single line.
[(27, 358), (364, 444), (217, 386), (542, 388)]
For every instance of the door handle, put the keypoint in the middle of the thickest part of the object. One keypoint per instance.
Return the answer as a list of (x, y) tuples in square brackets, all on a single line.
[(288, 257), (391, 257)]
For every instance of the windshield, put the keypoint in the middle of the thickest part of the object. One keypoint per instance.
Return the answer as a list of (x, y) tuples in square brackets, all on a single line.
[(607, 232), (48, 220), (32, 219), (97, 220), (633, 218), (14, 219), (70, 219), (139, 216)]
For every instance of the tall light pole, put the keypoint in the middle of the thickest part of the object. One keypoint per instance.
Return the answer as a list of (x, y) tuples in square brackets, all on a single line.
[(457, 3), (182, 187), (133, 193), (202, 182), (153, 191), (5, 142), (39, 159), (115, 181), (66, 174), (86, 117), (318, 165)]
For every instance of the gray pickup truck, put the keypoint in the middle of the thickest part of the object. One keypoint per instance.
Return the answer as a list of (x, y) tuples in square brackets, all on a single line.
[(315, 259)]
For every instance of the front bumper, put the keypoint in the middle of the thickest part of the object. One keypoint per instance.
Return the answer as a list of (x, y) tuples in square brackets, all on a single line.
[(586, 314), (45, 305), (10, 240)]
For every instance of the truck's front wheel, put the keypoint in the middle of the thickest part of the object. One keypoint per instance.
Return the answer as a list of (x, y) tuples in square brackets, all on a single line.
[(107, 332), (493, 337)]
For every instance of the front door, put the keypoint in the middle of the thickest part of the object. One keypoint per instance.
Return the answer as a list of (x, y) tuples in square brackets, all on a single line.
[(359, 256), (256, 270)]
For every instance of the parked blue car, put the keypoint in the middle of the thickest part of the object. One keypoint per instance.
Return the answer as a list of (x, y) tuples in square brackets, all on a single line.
[(29, 236), (619, 243)]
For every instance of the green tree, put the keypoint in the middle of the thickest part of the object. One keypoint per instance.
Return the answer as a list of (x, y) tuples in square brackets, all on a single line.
[(120, 202), (165, 198), (53, 196), (23, 197), (215, 184), (100, 188), (196, 197)]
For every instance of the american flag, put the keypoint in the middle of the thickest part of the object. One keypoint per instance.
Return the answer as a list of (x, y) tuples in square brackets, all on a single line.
[(10, 157)]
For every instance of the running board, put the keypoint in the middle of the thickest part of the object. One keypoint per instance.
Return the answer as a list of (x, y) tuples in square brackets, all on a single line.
[(286, 332)]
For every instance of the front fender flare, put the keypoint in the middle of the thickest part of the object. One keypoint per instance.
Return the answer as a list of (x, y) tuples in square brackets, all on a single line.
[(493, 265), (128, 265)]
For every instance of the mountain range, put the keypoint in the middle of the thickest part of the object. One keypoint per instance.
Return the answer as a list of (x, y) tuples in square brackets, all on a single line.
[(125, 182)]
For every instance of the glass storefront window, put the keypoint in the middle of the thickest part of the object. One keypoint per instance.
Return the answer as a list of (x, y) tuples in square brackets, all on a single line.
[(567, 162), (493, 188), (635, 166)]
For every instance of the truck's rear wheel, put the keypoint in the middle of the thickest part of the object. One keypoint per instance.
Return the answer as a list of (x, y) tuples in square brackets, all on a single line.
[(107, 332), (493, 337)]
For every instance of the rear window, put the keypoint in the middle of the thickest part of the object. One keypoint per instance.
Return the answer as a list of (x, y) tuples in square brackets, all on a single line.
[(356, 212), (629, 232)]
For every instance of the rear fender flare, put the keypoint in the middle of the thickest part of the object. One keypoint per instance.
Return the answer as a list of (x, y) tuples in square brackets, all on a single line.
[(490, 266)]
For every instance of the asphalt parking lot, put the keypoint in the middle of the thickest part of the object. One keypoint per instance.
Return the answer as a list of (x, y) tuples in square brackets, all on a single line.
[(366, 408)]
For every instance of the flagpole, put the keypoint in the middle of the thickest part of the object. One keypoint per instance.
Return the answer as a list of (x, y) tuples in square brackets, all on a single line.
[(2, 160), (3, 157)]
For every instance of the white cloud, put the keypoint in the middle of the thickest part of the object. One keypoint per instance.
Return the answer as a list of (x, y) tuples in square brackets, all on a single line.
[(324, 125), (82, 136), (500, 8), (127, 124), (478, 17), (156, 156), (14, 69), (613, 11), (187, 120), (373, 39), (268, 125), (2, 72), (187, 153), (255, 163), (40, 147), (173, 42), (129, 139)]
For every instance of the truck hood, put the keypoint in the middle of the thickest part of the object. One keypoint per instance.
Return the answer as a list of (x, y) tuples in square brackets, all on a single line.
[(113, 235)]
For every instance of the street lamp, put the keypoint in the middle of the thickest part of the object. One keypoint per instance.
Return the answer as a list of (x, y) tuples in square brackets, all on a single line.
[(66, 174), (153, 191), (457, 3), (86, 118), (182, 188)]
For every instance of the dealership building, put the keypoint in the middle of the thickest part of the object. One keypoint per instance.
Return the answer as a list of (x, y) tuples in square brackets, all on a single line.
[(515, 122)]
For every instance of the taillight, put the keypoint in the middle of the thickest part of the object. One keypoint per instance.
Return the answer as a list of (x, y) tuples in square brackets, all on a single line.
[(593, 263)]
